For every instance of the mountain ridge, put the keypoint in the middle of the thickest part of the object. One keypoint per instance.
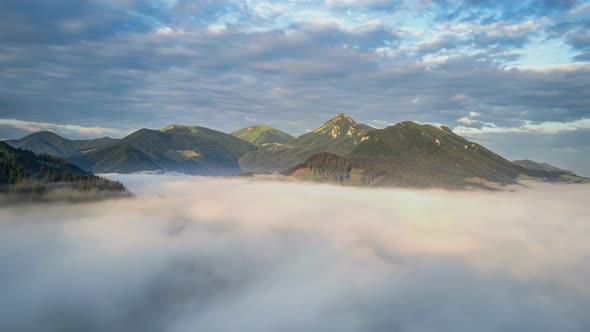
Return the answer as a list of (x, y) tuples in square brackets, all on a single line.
[(404, 154), (338, 135), (540, 166), (53, 144)]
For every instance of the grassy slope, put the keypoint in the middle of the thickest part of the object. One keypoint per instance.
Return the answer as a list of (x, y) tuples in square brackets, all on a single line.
[(230, 144), (432, 151), (262, 135)]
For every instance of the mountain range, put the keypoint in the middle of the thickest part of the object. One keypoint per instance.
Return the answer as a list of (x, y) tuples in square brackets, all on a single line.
[(55, 145), (341, 150), (186, 149), (338, 135)]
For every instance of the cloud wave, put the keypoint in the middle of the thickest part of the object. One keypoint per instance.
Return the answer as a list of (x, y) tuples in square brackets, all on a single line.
[(232, 255)]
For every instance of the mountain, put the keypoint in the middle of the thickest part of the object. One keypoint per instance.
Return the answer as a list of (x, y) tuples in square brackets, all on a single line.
[(341, 150), (540, 166), (27, 176), (191, 150), (262, 135), (338, 135), (413, 155), (55, 145), (427, 150)]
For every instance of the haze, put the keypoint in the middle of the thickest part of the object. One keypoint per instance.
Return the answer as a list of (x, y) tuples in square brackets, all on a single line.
[(202, 254)]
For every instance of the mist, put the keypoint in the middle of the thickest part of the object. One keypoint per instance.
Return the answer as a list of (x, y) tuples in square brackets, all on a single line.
[(221, 254)]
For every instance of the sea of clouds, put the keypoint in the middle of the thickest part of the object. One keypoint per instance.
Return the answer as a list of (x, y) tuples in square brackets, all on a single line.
[(220, 254)]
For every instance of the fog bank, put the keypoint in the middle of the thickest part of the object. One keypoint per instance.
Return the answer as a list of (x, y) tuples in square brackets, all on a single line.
[(213, 254)]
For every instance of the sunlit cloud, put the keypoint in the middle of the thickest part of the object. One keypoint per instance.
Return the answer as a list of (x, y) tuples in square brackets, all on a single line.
[(63, 128), (528, 127)]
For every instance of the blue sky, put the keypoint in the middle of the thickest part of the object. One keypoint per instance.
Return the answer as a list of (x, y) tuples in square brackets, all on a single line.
[(513, 75)]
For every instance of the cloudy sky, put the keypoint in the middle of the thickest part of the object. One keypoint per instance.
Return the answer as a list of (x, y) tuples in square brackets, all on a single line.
[(513, 75)]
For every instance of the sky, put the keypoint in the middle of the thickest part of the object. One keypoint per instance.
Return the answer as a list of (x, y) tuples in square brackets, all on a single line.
[(512, 75)]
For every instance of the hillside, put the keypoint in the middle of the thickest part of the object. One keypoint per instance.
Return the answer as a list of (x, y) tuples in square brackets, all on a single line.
[(262, 135), (412, 155), (30, 177), (430, 151), (55, 145), (338, 135), (191, 150), (532, 165)]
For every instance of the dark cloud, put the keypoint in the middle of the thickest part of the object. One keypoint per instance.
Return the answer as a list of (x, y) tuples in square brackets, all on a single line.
[(193, 76), (61, 21), (583, 57), (579, 39)]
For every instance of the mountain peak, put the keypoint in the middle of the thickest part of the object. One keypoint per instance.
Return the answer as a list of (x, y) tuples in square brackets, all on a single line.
[(45, 134), (342, 125), (340, 118), (261, 134), (172, 127)]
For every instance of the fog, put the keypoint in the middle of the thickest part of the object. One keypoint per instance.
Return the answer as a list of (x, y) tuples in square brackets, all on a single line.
[(220, 254)]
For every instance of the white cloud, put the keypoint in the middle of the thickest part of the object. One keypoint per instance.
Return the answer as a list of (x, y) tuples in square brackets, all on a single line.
[(528, 127), (61, 128), (567, 149), (467, 121), (298, 257), (168, 31), (360, 3)]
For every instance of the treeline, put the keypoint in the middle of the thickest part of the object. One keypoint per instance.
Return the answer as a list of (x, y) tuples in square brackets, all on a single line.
[(22, 170), (328, 166), (10, 172), (378, 172)]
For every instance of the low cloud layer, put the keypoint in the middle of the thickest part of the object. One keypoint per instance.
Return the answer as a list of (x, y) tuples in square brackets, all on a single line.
[(198, 254)]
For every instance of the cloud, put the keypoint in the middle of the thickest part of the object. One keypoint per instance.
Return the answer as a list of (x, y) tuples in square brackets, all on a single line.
[(467, 121), (579, 39), (491, 11), (61, 128), (323, 258), (567, 149), (528, 127), (366, 4)]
